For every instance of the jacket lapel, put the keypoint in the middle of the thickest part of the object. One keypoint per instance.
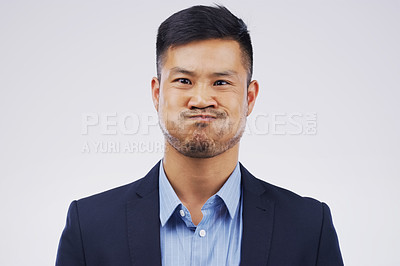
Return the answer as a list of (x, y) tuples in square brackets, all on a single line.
[(258, 216), (144, 222)]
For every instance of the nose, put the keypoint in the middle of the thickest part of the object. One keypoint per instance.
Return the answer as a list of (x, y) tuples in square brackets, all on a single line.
[(202, 97)]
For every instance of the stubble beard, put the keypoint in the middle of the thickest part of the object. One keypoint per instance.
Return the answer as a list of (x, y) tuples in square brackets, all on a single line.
[(200, 143)]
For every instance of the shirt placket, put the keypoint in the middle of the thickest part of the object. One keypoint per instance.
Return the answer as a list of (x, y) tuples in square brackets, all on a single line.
[(200, 240)]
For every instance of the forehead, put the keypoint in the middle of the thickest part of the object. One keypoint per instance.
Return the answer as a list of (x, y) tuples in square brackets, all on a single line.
[(206, 56)]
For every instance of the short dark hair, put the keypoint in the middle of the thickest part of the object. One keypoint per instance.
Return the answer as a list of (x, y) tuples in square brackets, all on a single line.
[(203, 23)]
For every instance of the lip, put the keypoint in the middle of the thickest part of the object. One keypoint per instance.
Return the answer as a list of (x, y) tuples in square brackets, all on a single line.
[(203, 117)]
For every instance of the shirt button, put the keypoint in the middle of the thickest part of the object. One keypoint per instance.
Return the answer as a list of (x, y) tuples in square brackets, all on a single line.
[(202, 233), (182, 213)]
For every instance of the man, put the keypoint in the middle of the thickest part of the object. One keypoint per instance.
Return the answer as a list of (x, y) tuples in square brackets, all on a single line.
[(199, 205)]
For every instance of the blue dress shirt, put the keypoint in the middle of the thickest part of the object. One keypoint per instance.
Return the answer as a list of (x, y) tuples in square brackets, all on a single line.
[(216, 240)]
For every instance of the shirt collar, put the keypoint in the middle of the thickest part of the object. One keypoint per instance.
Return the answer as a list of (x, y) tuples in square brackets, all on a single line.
[(168, 198), (230, 193)]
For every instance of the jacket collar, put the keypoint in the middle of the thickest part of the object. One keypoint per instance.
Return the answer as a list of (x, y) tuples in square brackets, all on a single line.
[(258, 217), (144, 221)]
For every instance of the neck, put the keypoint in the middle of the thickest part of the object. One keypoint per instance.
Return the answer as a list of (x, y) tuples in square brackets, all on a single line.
[(195, 180)]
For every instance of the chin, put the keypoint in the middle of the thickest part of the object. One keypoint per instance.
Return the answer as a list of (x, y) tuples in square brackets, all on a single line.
[(200, 146), (201, 141)]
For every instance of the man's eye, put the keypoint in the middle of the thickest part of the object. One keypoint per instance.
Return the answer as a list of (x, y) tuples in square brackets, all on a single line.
[(220, 83), (183, 81)]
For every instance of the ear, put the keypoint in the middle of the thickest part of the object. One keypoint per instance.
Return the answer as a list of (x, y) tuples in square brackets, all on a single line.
[(252, 92), (155, 92)]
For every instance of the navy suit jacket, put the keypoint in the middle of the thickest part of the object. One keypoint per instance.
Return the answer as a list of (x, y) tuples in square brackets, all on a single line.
[(122, 227)]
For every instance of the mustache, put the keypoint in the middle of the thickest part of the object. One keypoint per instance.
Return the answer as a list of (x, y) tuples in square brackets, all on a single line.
[(204, 111)]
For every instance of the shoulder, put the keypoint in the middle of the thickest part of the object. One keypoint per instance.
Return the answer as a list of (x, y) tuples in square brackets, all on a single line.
[(301, 225), (284, 196), (119, 196), (286, 202)]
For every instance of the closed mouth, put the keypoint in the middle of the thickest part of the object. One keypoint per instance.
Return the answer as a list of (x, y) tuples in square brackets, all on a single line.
[(203, 117)]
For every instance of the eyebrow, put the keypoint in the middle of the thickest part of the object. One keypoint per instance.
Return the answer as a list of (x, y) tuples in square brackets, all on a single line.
[(180, 70), (225, 73)]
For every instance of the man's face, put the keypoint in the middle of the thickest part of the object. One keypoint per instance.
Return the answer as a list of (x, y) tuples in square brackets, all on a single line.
[(202, 98)]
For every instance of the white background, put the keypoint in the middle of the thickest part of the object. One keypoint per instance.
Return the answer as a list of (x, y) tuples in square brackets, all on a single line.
[(339, 59)]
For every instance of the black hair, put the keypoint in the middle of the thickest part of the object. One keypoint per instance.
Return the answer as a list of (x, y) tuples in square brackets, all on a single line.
[(203, 23)]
